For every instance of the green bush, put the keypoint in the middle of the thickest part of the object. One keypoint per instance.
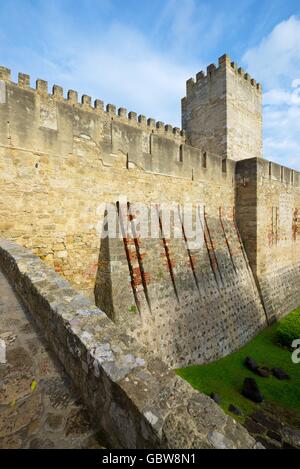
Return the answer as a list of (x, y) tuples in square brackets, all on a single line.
[(289, 328)]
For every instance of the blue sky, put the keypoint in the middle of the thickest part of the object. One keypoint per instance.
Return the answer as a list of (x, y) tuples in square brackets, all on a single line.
[(139, 54)]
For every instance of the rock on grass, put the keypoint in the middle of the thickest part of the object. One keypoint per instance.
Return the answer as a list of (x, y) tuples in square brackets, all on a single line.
[(251, 390)]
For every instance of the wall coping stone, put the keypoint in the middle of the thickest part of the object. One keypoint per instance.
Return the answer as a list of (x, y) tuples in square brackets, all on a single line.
[(132, 396)]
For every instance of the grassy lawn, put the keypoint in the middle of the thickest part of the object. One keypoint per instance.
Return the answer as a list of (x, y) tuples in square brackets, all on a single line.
[(225, 376)]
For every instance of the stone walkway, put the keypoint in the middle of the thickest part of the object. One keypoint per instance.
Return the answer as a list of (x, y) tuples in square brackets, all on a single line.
[(38, 406), (274, 427)]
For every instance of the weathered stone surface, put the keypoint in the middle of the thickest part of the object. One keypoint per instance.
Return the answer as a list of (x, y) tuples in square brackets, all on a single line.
[(234, 410), (263, 372), (251, 390), (54, 421), (16, 417), (60, 147), (191, 305), (178, 308), (39, 443), (268, 201), (57, 392), (215, 397), (144, 404), (280, 374), (266, 420), (77, 422), (251, 364), (254, 427), (268, 444), (222, 112), (11, 442), (274, 436), (219, 441), (291, 436), (34, 417), (275, 426)]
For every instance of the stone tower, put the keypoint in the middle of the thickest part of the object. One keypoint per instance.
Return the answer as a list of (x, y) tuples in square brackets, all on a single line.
[(222, 112)]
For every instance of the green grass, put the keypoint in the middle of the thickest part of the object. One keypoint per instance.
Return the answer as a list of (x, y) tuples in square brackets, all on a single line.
[(289, 328), (225, 376)]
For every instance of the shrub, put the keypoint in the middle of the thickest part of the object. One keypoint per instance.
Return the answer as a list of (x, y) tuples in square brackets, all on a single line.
[(132, 309), (289, 328)]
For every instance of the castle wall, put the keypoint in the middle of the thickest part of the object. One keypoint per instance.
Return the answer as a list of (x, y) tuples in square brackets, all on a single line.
[(204, 115), (268, 205), (189, 303), (244, 115), (61, 160), (134, 399)]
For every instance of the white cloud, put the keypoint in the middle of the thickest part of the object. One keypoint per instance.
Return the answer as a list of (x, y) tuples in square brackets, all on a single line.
[(276, 63), (276, 60), (115, 63), (126, 70), (112, 61), (296, 83), (280, 96)]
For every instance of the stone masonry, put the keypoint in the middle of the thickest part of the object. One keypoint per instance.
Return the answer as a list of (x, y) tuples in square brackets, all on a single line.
[(222, 112), (38, 405), (188, 305), (268, 200), (134, 399), (62, 161)]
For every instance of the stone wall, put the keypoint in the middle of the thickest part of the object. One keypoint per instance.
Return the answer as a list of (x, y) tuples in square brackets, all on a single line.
[(222, 112), (268, 206), (60, 160), (133, 398), (189, 303)]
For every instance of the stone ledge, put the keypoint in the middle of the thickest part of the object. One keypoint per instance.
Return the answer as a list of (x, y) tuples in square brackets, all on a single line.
[(133, 398)]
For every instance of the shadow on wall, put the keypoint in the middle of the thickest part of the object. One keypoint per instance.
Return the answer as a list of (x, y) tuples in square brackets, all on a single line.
[(103, 284), (188, 305), (114, 289), (109, 369)]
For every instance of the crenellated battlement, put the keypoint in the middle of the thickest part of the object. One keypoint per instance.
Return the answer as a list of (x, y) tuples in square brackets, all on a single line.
[(266, 172), (85, 103), (65, 159), (244, 75), (222, 111), (53, 123), (275, 172), (213, 71)]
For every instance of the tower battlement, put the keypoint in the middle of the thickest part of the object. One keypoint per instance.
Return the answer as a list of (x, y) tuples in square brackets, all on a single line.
[(222, 110), (65, 158), (213, 71), (60, 123)]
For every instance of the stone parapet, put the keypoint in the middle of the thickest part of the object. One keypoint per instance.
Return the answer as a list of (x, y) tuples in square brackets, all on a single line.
[(132, 396), (97, 106)]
